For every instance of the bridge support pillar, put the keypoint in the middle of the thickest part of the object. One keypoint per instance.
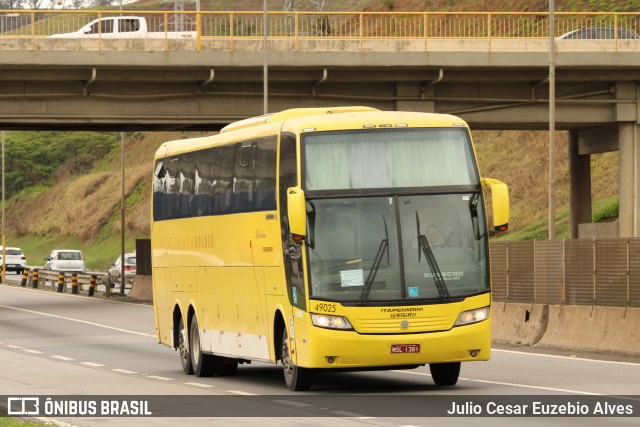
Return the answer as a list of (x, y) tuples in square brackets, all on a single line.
[(579, 185), (628, 185)]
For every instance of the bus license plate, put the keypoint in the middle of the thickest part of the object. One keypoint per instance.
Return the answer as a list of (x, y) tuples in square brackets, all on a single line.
[(405, 348)]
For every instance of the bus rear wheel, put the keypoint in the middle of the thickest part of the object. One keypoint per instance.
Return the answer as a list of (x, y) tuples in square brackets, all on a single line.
[(203, 364), (183, 348), (297, 379), (445, 374)]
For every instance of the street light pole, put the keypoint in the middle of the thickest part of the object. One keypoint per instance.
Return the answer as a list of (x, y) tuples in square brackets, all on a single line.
[(552, 122), (265, 72), (122, 215), (4, 259)]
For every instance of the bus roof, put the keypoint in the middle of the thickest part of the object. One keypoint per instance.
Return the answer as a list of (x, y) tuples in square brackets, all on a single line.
[(291, 114), (302, 120)]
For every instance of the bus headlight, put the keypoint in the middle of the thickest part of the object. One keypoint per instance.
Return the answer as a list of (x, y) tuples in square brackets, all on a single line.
[(472, 316), (331, 322)]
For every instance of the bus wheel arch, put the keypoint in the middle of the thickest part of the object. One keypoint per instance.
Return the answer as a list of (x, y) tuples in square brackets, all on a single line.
[(278, 328), (297, 378)]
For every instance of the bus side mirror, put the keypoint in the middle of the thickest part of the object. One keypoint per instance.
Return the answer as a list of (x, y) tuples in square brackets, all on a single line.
[(499, 203), (297, 212)]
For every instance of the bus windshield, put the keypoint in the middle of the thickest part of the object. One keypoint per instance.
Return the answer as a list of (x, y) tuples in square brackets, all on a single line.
[(367, 249), (409, 242), (388, 158)]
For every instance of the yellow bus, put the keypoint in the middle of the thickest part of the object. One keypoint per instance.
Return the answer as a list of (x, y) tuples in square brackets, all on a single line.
[(325, 239)]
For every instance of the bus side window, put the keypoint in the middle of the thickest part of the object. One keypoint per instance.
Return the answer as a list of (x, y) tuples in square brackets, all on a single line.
[(203, 185), (185, 181), (243, 177), (265, 175)]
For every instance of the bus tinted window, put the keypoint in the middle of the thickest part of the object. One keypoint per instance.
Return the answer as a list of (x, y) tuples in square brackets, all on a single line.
[(265, 175), (238, 177)]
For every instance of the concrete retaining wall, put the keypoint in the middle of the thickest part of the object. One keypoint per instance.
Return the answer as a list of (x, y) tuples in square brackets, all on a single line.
[(519, 324), (600, 329), (142, 289), (568, 327)]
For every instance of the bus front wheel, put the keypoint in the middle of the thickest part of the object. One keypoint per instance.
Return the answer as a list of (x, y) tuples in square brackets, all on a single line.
[(445, 374), (297, 379), (183, 348)]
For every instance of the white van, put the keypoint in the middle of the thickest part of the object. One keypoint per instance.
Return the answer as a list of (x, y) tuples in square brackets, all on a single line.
[(66, 260), (15, 261)]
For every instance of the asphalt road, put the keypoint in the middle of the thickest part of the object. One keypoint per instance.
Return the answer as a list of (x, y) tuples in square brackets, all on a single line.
[(65, 345)]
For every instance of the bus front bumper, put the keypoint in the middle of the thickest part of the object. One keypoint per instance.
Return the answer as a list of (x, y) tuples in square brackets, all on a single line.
[(333, 349)]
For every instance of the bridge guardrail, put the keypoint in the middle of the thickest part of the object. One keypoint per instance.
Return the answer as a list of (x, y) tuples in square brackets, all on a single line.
[(424, 31)]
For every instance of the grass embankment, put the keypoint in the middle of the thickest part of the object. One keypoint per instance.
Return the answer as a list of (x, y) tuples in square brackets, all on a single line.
[(83, 211)]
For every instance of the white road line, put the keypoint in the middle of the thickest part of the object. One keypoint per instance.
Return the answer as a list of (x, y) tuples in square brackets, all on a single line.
[(14, 346), (79, 321), (292, 403), (155, 377), (199, 385), (65, 358), (352, 415), (28, 350), (242, 393), (555, 356), (562, 390), (123, 371), (93, 365)]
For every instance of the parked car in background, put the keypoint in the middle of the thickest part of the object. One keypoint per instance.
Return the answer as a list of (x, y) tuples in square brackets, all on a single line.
[(129, 266), (600, 33), (15, 259), (70, 260)]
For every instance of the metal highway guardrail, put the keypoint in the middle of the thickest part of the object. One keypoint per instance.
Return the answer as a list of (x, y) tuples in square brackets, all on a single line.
[(76, 283), (328, 31)]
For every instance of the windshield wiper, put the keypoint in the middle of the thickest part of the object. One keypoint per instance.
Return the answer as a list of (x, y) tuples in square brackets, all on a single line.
[(382, 248), (424, 247)]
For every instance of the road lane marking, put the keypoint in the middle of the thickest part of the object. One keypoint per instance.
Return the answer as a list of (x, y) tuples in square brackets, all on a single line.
[(28, 350), (156, 377), (352, 415), (556, 356), (562, 390), (65, 358), (242, 393), (93, 365), (123, 371), (79, 321), (14, 346), (292, 403), (199, 385)]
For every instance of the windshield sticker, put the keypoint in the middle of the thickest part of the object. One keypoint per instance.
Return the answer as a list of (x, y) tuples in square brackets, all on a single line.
[(349, 278), (447, 275), (413, 291)]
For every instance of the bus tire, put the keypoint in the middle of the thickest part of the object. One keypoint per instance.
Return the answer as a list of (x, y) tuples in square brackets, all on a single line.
[(183, 348), (445, 374), (297, 379), (227, 369), (203, 364)]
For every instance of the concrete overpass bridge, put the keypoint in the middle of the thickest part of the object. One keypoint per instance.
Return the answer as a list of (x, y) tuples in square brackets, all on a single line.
[(490, 69)]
